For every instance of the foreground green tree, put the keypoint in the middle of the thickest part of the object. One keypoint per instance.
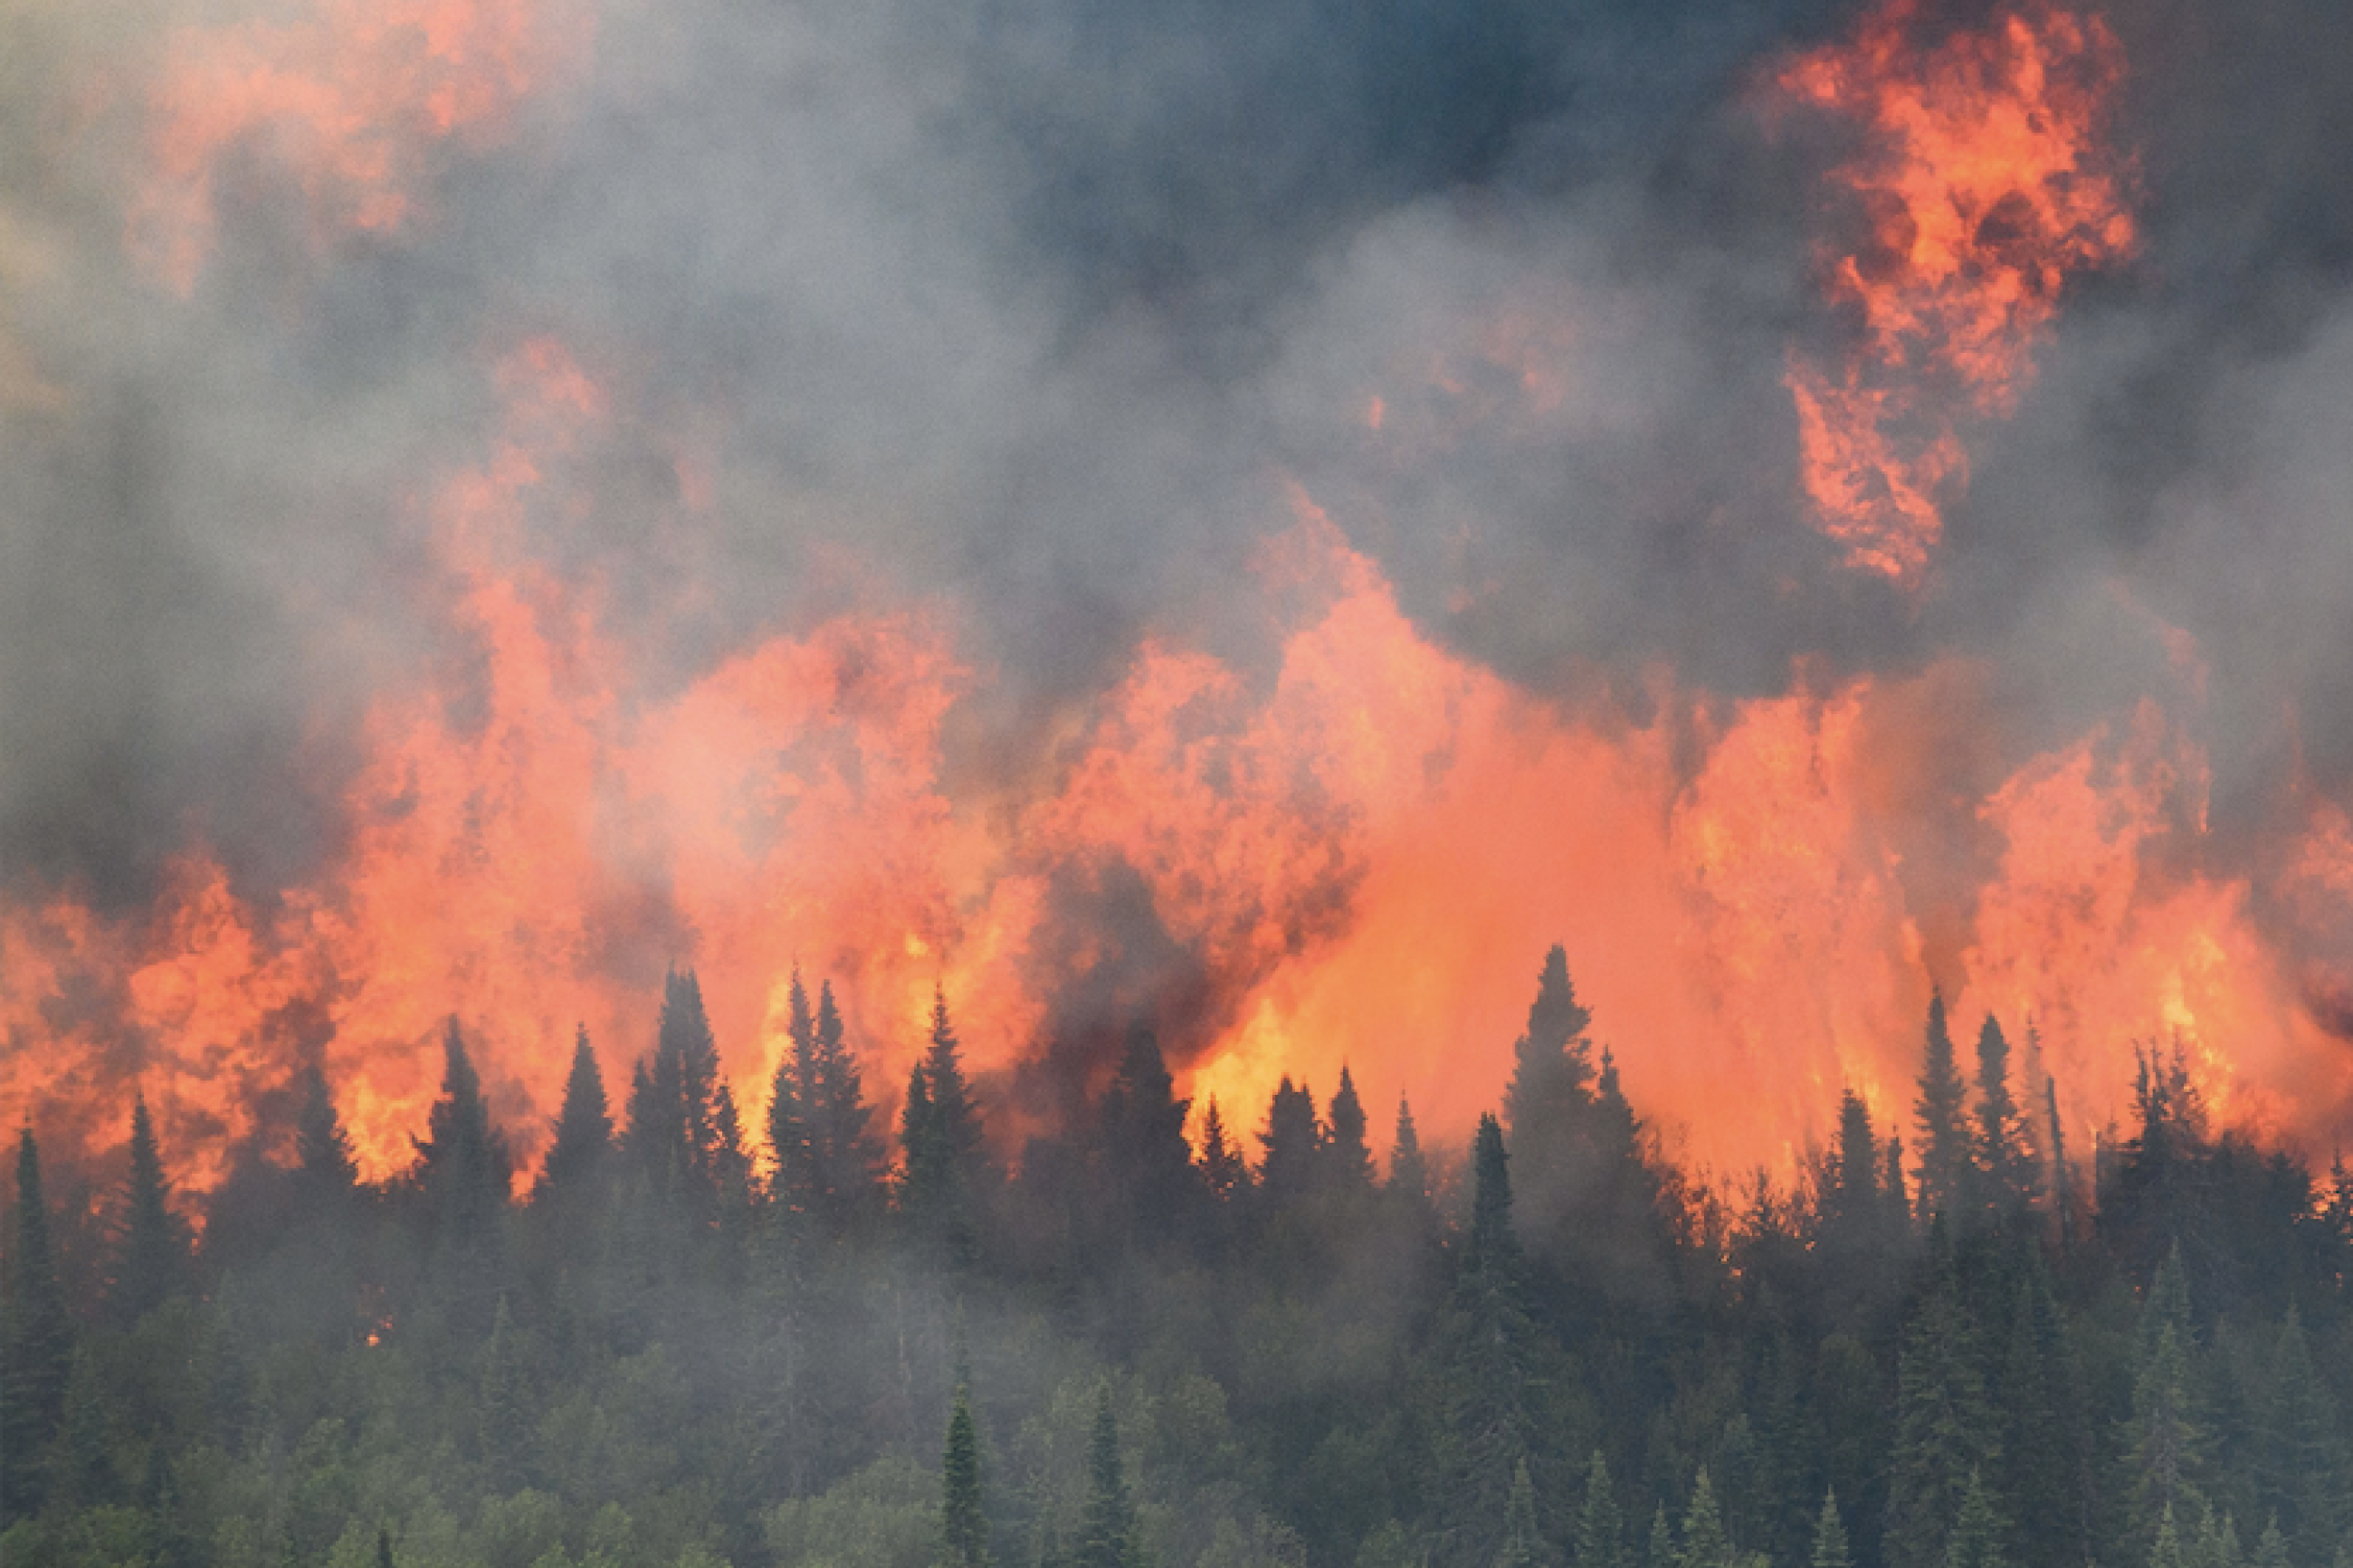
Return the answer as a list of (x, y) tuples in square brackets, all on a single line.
[(963, 1523), (1107, 1529)]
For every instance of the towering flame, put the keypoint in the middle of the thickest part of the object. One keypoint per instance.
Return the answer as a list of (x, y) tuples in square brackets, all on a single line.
[(1980, 181), (1352, 856)]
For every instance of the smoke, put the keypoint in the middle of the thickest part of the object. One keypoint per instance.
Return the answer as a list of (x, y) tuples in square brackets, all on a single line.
[(1035, 314)]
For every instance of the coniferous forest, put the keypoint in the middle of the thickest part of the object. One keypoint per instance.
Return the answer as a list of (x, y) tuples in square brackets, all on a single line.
[(699, 1339)]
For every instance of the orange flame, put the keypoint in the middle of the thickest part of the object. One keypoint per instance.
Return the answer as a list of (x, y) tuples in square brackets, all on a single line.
[(347, 99), (1984, 181), (1356, 855)]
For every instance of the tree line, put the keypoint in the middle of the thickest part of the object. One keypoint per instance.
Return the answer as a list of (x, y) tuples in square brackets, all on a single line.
[(1953, 1343)]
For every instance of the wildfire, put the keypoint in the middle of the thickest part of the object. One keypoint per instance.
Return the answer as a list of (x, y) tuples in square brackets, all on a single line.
[(347, 101), (1982, 182), (1353, 857)]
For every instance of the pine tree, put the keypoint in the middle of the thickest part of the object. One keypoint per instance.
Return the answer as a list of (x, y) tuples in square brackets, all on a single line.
[(1661, 1552), (964, 1525), (501, 1422), (1224, 1175), (2164, 1441), (39, 1341), (2002, 1150), (1600, 1528), (1107, 1530), (2299, 1457), (792, 1104), (1523, 1546), (328, 1174), (1145, 1153), (1944, 1429), (1548, 1104), (1294, 1140), (1851, 1203), (2063, 1175), (1946, 1167), (2270, 1547), (846, 1157), (1347, 1157), (1408, 1172), (1705, 1543), (153, 1263), (583, 1142), (1978, 1530), (931, 1200), (462, 1164), (1829, 1537), (1492, 1360)]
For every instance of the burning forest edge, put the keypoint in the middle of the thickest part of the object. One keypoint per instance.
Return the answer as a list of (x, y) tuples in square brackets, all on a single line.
[(1953, 1341)]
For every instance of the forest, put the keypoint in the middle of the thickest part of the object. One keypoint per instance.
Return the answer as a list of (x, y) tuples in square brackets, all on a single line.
[(693, 1338)]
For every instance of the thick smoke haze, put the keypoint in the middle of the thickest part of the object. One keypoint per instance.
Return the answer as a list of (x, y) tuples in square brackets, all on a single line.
[(1045, 315)]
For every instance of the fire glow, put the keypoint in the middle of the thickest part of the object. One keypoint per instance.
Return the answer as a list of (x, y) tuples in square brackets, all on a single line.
[(1362, 855), (1983, 182), (1357, 854)]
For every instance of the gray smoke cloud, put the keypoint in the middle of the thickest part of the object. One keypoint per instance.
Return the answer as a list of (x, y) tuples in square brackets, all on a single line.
[(1031, 304)]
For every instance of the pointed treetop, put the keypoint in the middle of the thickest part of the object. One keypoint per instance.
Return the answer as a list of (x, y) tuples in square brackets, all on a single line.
[(1346, 1153), (323, 1150), (1409, 1170), (154, 1258), (1829, 1537), (583, 1126)]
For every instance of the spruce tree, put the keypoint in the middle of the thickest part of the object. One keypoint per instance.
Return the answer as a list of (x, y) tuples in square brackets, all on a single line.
[(964, 1525), (1293, 1140), (1145, 1153), (501, 1422), (1661, 1552), (1706, 1543), (39, 1341), (846, 1156), (2063, 1175), (2164, 1438), (930, 1198), (1978, 1530), (1347, 1157), (2300, 1458), (154, 1261), (1944, 1427), (1600, 1529), (583, 1142), (792, 1108), (1107, 1529), (1829, 1549), (462, 1164), (1225, 1173), (2002, 1150), (326, 1172), (1945, 1163), (1851, 1226), (1548, 1102), (1408, 1172), (953, 1109), (1523, 1547)]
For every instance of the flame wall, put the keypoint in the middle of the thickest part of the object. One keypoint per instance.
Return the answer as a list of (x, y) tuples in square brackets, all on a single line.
[(517, 496)]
